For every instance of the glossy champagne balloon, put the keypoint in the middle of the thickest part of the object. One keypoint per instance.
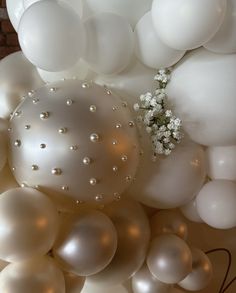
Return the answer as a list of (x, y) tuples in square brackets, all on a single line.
[(73, 283), (86, 242), (169, 259), (144, 282), (15, 10), (201, 274), (38, 275), (133, 239), (29, 224), (169, 222), (7, 180), (190, 211)]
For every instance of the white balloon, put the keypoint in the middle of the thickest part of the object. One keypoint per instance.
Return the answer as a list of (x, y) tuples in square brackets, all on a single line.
[(17, 77), (187, 24), (224, 41), (51, 35), (110, 43), (216, 204), (221, 162), (132, 10), (190, 211), (202, 93), (149, 49), (15, 9)]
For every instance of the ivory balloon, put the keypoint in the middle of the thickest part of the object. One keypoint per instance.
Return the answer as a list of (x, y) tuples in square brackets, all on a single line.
[(216, 198), (38, 275), (17, 77), (221, 162), (190, 211), (201, 96), (86, 243), (132, 10), (110, 43), (201, 273), (133, 239), (51, 21), (7, 180), (73, 283), (29, 224), (144, 282), (15, 10), (168, 222), (149, 49), (177, 22), (169, 259)]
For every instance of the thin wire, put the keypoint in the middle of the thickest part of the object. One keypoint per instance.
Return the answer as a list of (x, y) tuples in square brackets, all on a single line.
[(230, 283)]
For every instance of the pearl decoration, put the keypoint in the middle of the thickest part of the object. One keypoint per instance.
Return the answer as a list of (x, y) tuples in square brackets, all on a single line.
[(17, 143), (124, 158), (69, 102), (93, 108), (73, 147), (34, 167), (86, 161), (44, 115), (42, 145), (118, 126), (27, 127), (94, 137), (62, 130), (56, 171), (30, 93), (115, 168), (93, 181), (35, 101)]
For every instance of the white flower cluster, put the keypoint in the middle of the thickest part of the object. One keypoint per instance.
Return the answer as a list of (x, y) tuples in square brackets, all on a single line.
[(163, 127)]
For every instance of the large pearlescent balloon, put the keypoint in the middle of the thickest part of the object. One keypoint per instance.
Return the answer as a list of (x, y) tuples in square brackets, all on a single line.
[(178, 25), (74, 283), (201, 273), (132, 10), (144, 282), (190, 211), (133, 234), (149, 49), (221, 162), (60, 40), (7, 180), (110, 43), (38, 275), (86, 243), (168, 222), (29, 224), (216, 204), (169, 259), (76, 141), (15, 10), (204, 98), (17, 77), (224, 41)]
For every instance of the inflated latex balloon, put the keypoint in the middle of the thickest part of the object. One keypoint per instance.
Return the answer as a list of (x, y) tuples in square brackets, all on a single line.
[(224, 41), (133, 239), (132, 10), (75, 141), (89, 288), (86, 243), (178, 25), (201, 96), (7, 180), (29, 224), (38, 275), (168, 222), (221, 162), (149, 49), (74, 283), (51, 21), (216, 204), (169, 259), (144, 282), (201, 273), (110, 43), (15, 10), (190, 211), (17, 77)]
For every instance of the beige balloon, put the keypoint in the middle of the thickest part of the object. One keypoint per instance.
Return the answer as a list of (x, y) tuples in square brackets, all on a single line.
[(201, 274), (7, 180), (74, 284), (38, 275), (133, 232), (86, 242), (169, 259), (169, 222), (29, 224)]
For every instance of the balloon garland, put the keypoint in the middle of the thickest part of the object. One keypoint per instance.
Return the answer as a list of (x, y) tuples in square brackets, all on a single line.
[(110, 181)]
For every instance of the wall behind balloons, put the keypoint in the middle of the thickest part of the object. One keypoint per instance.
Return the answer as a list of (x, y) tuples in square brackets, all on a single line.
[(8, 37)]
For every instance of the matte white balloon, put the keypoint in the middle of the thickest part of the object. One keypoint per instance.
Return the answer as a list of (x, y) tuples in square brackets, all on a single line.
[(110, 43), (60, 40), (15, 10), (216, 204), (17, 77), (149, 49), (190, 211), (178, 25), (74, 283), (202, 92), (221, 162), (132, 10)]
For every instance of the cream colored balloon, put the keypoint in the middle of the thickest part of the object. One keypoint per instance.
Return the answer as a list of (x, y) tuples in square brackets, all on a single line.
[(190, 211), (38, 275), (201, 274), (17, 77), (29, 224), (7, 180), (133, 239), (74, 283), (168, 222), (15, 10)]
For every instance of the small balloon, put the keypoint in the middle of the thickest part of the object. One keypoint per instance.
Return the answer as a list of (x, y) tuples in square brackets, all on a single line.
[(15, 10), (190, 211), (73, 283)]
